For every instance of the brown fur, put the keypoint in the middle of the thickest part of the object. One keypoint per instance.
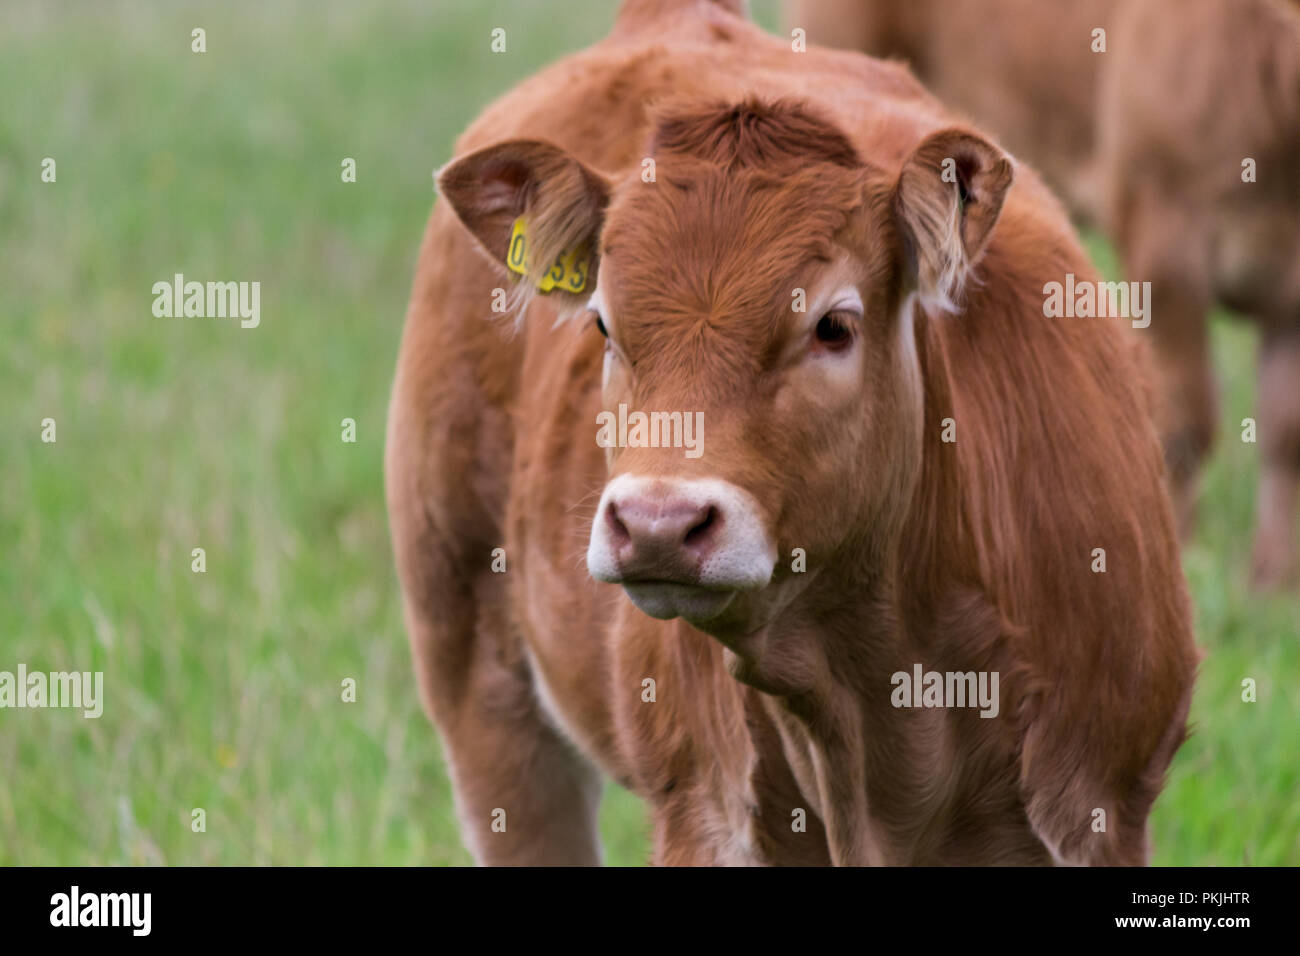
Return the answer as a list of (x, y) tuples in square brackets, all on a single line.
[(971, 555), (1147, 138)]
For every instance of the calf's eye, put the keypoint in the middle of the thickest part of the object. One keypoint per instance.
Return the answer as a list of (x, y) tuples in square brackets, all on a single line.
[(600, 327), (834, 331)]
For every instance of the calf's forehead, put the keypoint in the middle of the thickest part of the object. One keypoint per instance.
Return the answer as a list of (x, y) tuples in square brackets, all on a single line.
[(721, 248)]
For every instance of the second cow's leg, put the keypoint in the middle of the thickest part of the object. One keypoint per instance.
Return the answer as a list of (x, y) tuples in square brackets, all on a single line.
[(1160, 245), (1274, 563)]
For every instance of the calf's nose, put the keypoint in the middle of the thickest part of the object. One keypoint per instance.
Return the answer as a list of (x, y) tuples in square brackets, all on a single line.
[(664, 536), (700, 533)]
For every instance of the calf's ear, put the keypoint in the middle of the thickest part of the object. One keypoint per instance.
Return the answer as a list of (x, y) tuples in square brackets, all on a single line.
[(534, 208), (947, 201)]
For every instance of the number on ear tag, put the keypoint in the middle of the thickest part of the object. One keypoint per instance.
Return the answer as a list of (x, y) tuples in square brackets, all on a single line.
[(568, 272)]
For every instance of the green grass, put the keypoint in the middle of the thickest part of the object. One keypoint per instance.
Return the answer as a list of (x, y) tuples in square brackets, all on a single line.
[(224, 688)]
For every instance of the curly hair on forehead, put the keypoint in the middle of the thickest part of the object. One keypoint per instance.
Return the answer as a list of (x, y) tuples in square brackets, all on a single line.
[(754, 132)]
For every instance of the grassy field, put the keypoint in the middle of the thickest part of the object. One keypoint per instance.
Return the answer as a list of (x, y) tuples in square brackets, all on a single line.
[(223, 688)]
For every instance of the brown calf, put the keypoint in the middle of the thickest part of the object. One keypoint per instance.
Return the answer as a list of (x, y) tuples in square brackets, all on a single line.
[(1150, 137), (904, 467)]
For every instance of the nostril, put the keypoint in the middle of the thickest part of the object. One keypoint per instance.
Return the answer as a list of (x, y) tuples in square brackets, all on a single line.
[(701, 530), (616, 527)]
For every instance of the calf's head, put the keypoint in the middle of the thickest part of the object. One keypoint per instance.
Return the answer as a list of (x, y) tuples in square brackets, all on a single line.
[(754, 286)]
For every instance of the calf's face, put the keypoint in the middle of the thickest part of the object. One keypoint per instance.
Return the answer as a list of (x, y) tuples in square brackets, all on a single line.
[(761, 386)]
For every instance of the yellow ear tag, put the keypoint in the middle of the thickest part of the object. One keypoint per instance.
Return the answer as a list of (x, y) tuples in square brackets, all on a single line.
[(569, 271)]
